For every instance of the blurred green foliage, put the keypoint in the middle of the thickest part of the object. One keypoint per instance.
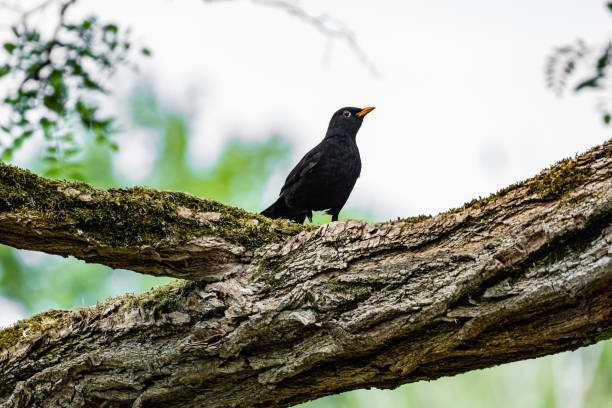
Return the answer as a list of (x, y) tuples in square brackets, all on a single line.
[(593, 61), (57, 79)]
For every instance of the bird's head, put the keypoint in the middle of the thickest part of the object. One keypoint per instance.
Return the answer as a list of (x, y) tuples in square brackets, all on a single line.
[(348, 120)]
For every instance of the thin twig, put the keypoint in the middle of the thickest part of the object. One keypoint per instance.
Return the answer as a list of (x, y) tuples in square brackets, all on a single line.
[(331, 28), (10, 6), (40, 7)]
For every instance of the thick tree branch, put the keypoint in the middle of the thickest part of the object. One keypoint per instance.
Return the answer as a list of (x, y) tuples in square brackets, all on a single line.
[(157, 233), (524, 273)]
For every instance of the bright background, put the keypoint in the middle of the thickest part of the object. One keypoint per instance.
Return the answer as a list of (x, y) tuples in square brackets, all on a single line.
[(237, 91)]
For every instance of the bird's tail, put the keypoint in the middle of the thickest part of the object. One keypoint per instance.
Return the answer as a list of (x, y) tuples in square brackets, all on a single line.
[(279, 209)]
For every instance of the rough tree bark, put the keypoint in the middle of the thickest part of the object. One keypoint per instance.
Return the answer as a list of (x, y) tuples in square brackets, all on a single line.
[(273, 314)]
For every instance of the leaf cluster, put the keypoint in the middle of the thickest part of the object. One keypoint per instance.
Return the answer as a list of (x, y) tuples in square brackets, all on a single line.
[(58, 81), (565, 62)]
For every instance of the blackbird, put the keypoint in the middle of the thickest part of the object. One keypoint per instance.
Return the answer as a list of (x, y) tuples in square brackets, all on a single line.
[(324, 178)]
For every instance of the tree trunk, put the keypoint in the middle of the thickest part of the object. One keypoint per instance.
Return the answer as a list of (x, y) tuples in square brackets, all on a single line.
[(272, 313)]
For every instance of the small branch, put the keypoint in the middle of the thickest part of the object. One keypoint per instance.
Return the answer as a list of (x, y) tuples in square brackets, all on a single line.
[(331, 28), (40, 7), (25, 13), (9, 6)]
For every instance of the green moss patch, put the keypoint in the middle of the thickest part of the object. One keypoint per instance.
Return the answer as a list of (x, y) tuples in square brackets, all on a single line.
[(579, 198), (269, 265), (416, 219), (162, 297), (553, 183), (26, 328), (356, 289), (481, 202), (559, 180), (135, 216)]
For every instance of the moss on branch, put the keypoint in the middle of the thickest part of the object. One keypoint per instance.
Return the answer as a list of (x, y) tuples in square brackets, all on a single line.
[(553, 183), (139, 216), (24, 329), (163, 298), (135, 216)]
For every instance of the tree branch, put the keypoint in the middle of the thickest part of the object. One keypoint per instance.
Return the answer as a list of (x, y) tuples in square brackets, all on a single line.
[(145, 230), (521, 274)]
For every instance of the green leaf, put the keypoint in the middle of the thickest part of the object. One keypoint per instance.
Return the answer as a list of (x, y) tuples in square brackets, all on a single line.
[(77, 69), (47, 123), (609, 6), (602, 62), (88, 23), (111, 27), (102, 125), (606, 118), (56, 79), (68, 137), (4, 69), (146, 51), (49, 159), (114, 146), (27, 134), (33, 36), (69, 153), (53, 103), (10, 47), (589, 83), (35, 67), (7, 154), (89, 84), (82, 108)]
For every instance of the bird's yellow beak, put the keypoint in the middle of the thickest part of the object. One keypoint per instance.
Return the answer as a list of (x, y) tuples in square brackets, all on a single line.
[(365, 111)]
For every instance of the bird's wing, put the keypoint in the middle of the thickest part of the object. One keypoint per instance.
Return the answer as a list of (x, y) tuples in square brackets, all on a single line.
[(303, 168)]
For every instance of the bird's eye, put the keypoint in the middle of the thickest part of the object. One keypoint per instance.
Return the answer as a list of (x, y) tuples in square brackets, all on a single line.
[(346, 114)]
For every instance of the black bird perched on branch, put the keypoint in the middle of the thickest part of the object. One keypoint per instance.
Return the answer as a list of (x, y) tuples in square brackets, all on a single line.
[(324, 178)]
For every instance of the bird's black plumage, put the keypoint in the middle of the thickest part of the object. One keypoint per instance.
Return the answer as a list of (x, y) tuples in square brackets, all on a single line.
[(326, 175)]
